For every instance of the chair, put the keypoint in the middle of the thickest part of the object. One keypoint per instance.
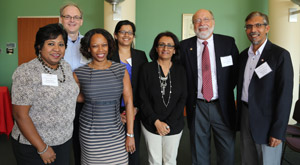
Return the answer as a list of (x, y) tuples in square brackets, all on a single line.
[(293, 133), (294, 130)]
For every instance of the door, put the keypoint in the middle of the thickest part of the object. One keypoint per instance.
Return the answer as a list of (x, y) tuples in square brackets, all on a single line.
[(27, 29)]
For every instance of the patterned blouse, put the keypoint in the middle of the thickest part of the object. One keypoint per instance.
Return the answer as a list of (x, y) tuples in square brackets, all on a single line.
[(52, 107)]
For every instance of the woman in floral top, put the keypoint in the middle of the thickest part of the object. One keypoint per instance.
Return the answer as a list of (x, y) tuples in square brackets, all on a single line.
[(44, 95)]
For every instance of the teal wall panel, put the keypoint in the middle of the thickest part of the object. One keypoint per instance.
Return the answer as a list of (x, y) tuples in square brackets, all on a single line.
[(152, 17)]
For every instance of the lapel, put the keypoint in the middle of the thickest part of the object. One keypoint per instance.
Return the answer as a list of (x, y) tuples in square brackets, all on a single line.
[(218, 46), (265, 54), (192, 57), (134, 62)]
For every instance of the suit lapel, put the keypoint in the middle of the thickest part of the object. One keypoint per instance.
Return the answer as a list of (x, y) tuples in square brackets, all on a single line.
[(218, 46), (133, 64), (265, 54), (192, 57)]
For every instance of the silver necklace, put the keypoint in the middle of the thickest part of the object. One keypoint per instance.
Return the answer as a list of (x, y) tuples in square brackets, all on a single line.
[(163, 84)]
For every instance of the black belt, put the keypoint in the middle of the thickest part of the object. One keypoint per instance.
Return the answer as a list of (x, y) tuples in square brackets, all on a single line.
[(245, 104), (211, 101)]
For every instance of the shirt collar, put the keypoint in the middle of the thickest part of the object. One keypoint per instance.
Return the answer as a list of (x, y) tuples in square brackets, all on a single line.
[(209, 40), (78, 37), (259, 50)]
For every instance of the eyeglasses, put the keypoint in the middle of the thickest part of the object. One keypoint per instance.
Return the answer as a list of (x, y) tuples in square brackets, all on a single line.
[(164, 45), (68, 17), (258, 25), (205, 20), (123, 32)]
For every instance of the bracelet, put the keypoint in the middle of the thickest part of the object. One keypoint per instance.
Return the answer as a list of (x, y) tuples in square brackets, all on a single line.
[(130, 135), (40, 153)]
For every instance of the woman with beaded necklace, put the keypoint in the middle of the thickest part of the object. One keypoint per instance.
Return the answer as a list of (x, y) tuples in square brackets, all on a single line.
[(44, 95), (163, 92)]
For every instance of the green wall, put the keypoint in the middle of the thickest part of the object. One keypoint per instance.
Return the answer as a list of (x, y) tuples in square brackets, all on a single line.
[(11, 9), (155, 16), (152, 17)]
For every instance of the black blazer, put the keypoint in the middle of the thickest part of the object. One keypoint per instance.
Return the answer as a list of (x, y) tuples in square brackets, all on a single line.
[(226, 76), (138, 58), (270, 97)]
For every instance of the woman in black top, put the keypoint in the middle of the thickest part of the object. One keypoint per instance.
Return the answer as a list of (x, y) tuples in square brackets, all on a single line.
[(163, 92), (133, 59)]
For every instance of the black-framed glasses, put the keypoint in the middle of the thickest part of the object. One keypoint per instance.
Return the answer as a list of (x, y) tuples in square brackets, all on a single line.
[(258, 25), (68, 17), (169, 46), (123, 32)]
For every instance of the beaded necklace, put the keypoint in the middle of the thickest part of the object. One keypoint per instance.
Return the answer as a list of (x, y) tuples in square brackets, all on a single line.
[(47, 67), (163, 84)]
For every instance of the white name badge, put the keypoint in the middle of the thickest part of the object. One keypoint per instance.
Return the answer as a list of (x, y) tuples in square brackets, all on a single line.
[(263, 70), (129, 61), (84, 60), (226, 61), (49, 79)]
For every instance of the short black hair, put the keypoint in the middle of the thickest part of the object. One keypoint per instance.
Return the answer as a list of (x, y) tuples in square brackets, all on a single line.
[(153, 53), (50, 31), (86, 41)]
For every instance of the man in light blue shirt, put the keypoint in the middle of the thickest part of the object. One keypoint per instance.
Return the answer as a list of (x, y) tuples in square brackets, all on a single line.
[(72, 19)]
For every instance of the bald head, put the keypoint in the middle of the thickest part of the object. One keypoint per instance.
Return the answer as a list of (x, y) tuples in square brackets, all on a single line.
[(204, 23), (201, 12)]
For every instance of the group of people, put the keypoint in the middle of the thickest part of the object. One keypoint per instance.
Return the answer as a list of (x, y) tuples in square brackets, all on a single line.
[(100, 93)]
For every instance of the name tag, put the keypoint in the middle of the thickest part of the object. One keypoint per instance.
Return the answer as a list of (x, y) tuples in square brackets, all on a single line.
[(263, 70), (129, 61), (49, 79), (226, 61)]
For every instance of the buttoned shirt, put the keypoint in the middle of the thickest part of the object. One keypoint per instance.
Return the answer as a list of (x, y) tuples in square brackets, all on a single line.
[(212, 58), (253, 58), (73, 55)]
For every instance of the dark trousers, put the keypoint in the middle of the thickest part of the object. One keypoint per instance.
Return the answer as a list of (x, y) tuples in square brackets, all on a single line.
[(76, 143), (27, 154), (208, 118)]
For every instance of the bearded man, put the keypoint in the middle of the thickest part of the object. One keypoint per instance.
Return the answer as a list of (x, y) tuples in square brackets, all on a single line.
[(211, 65)]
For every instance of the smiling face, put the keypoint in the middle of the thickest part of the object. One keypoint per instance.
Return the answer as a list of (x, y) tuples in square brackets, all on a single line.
[(204, 24), (53, 50), (125, 35), (165, 48), (257, 35), (98, 48), (71, 25)]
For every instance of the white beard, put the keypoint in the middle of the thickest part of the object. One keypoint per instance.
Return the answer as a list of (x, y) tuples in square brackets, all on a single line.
[(204, 34)]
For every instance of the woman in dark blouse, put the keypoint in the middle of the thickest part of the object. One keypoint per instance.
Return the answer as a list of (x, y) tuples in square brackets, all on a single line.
[(133, 59), (163, 92)]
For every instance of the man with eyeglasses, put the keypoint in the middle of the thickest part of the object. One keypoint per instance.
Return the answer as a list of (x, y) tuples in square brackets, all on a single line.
[(211, 65), (72, 19), (265, 89)]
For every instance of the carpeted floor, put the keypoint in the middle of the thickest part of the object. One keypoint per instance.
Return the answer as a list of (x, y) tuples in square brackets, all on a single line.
[(184, 154)]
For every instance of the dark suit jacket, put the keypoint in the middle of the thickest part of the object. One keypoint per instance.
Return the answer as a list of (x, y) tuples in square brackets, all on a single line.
[(138, 59), (270, 97), (226, 76)]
